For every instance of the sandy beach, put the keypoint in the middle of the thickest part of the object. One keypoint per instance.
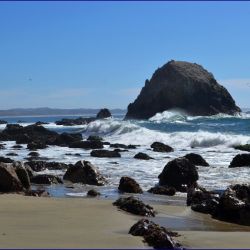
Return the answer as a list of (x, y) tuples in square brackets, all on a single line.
[(31, 222)]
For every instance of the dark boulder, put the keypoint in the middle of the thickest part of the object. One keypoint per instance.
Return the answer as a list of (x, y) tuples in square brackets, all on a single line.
[(196, 159), (17, 146), (84, 172), (134, 206), (3, 122), (241, 160), (103, 113), (202, 200), (179, 173), (161, 147), (142, 156), (174, 86), (93, 193), (129, 185), (245, 147), (155, 235), (38, 166), (103, 153), (33, 154), (12, 154), (46, 179), (9, 181), (163, 190), (6, 160), (234, 205)]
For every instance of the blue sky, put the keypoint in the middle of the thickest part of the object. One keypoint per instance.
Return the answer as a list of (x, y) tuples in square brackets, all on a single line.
[(96, 54)]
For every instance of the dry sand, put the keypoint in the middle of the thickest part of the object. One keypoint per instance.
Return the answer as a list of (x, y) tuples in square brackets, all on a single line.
[(36, 222)]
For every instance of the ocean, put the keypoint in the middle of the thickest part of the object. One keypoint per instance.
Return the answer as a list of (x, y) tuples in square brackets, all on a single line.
[(212, 137)]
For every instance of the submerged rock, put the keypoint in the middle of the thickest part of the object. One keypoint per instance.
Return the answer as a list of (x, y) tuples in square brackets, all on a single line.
[(179, 173), (196, 159), (155, 235), (161, 147), (120, 145), (93, 193), (129, 185), (134, 206), (182, 86), (87, 144), (103, 153), (163, 190), (245, 147), (6, 160), (103, 113), (142, 156), (84, 172), (94, 138), (241, 160)]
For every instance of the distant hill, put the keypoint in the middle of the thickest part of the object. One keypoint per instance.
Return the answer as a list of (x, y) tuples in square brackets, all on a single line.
[(52, 111)]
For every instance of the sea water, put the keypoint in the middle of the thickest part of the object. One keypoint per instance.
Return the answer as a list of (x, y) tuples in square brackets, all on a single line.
[(212, 137)]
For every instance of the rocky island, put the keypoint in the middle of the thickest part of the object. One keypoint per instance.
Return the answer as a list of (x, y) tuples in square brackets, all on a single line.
[(183, 86)]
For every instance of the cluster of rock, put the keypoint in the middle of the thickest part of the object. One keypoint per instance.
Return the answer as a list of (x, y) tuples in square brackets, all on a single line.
[(232, 205)]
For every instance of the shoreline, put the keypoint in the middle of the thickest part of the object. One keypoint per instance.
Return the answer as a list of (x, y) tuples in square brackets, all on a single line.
[(40, 222)]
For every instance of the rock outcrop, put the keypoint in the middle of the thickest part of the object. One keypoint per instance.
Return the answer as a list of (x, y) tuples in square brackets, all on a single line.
[(84, 172), (103, 113), (182, 86)]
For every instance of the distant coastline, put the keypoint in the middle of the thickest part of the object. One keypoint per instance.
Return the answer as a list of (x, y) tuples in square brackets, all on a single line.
[(53, 111)]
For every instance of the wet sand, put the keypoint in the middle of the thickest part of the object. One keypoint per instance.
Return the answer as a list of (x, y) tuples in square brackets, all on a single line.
[(36, 222)]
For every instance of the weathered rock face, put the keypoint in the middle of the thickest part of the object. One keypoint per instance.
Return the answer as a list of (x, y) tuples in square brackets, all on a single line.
[(103, 153), (129, 185), (134, 206), (155, 235), (182, 86), (179, 173), (9, 181), (84, 172), (103, 113)]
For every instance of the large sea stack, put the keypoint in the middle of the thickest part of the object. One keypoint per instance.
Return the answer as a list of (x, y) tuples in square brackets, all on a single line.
[(182, 86)]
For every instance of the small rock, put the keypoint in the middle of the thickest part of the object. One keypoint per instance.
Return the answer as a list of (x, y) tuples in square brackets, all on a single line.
[(155, 235), (241, 160), (196, 159), (12, 154), (104, 153), (129, 185), (163, 190), (134, 206), (142, 156), (161, 147), (245, 147)]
